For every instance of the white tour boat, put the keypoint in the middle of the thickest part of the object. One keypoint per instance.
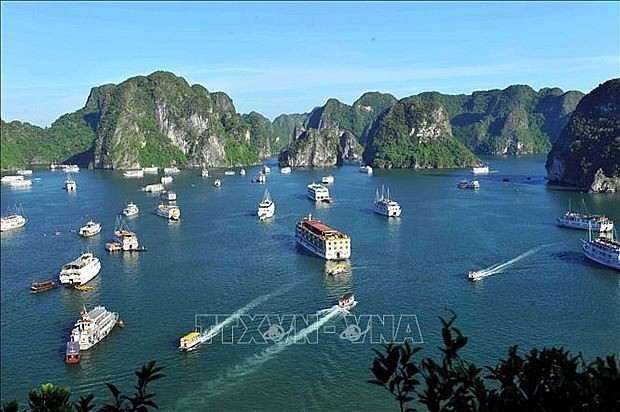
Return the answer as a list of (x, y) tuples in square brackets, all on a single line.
[(347, 301), (153, 188), (11, 178), (475, 275), (229, 173), (166, 179), (153, 170), (170, 170), (24, 172), (217, 183), (81, 270), (286, 170), (585, 221), (603, 250), (242, 172), (93, 326), (21, 183), (127, 239), (266, 208), (204, 173), (327, 179), (131, 209), (70, 184), (12, 221), (266, 169), (386, 206), (171, 212), (366, 169), (71, 168), (322, 240), (90, 229), (480, 170), (318, 193), (133, 173)]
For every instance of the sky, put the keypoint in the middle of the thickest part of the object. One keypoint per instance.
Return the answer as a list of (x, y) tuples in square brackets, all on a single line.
[(289, 57)]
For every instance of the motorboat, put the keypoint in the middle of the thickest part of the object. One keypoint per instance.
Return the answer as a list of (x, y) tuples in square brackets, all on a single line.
[(133, 173), (475, 275), (70, 184), (191, 341), (347, 301), (91, 228), (171, 212), (204, 173), (480, 170), (366, 169), (327, 179), (72, 352), (43, 286), (24, 172), (229, 173), (217, 183), (21, 183), (266, 169), (153, 170), (266, 208), (285, 170), (173, 169), (166, 180), (131, 209), (153, 188)]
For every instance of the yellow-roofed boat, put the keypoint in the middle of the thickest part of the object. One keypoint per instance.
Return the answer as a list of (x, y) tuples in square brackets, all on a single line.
[(191, 341)]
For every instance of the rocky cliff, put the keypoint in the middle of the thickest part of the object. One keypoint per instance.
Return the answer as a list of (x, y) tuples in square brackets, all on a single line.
[(587, 152), (415, 134), (313, 148)]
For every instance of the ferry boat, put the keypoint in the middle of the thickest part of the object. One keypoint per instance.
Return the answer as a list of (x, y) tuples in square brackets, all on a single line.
[(11, 178), (131, 209), (166, 179), (603, 250), (153, 170), (480, 170), (21, 183), (191, 341), (168, 195), (266, 208), (90, 229), (13, 221), (366, 169), (327, 179), (92, 327), (81, 270), (70, 184), (170, 170), (217, 183), (585, 221), (134, 173), (127, 239), (347, 301), (24, 172), (318, 193), (152, 188), (322, 240), (384, 205), (285, 170), (72, 352), (171, 212), (42, 286)]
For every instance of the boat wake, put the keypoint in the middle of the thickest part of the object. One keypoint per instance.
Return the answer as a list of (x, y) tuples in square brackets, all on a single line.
[(498, 268), (253, 363)]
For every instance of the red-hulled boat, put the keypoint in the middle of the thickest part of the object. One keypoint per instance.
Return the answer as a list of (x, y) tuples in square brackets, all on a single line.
[(41, 286), (72, 354)]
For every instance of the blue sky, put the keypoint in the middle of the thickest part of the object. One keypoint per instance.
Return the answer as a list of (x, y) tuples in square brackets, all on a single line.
[(288, 57)]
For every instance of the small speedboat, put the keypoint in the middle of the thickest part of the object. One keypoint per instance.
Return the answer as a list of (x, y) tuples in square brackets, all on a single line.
[(475, 275), (72, 353), (347, 301), (191, 341)]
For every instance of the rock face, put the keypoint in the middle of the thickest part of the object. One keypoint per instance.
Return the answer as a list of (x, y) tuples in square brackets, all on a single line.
[(313, 148), (415, 134), (588, 149)]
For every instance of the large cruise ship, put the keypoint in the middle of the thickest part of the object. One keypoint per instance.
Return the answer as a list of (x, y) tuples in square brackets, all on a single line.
[(384, 205), (586, 221), (603, 250), (322, 240), (80, 270), (89, 330), (318, 193)]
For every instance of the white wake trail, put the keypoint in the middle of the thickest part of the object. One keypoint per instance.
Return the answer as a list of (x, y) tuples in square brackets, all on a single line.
[(492, 270)]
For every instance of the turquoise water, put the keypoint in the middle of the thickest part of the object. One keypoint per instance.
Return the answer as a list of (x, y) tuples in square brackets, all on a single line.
[(220, 260)]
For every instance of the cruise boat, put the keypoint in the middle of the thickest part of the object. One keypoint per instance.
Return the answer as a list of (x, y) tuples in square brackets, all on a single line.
[(166, 180), (171, 212), (24, 172), (168, 195), (42, 286), (585, 221), (204, 173), (318, 193), (366, 169), (266, 208), (127, 239), (327, 179), (131, 209), (347, 301), (21, 183), (217, 183), (386, 206), (286, 170), (11, 178), (81, 270), (322, 240), (480, 170), (170, 170), (229, 173), (92, 327), (12, 221), (191, 341), (134, 173), (70, 184), (153, 188), (90, 229), (603, 250), (71, 168), (150, 170)]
